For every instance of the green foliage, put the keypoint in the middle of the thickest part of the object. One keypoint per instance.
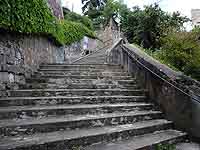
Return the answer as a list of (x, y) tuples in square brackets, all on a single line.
[(72, 16), (110, 10), (34, 17), (182, 50), (165, 147), (93, 9), (147, 26), (72, 32), (101, 11), (26, 16)]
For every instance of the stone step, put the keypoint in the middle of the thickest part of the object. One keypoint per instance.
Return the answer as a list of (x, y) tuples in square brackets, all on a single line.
[(69, 122), (75, 92), (82, 66), (63, 81), (65, 140), (79, 86), (24, 101), (94, 70), (84, 77), (21, 112), (49, 73), (94, 60), (142, 142)]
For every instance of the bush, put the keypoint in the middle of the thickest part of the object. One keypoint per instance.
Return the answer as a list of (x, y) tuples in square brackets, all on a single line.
[(34, 16), (72, 16), (72, 32), (182, 50)]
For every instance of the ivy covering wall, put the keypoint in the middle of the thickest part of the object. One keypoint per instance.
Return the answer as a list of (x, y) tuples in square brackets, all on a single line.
[(34, 17)]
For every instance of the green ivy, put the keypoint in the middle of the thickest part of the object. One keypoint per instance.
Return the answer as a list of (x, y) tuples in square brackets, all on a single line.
[(35, 17), (72, 16)]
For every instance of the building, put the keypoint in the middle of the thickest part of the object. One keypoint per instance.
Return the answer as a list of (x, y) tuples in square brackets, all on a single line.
[(196, 17), (56, 8)]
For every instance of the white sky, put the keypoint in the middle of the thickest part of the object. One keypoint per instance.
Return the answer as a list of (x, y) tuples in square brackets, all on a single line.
[(183, 6)]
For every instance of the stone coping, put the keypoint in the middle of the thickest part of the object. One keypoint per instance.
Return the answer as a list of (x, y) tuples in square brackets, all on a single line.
[(178, 79)]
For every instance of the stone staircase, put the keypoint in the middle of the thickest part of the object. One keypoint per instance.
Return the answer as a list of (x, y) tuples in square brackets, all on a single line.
[(82, 107)]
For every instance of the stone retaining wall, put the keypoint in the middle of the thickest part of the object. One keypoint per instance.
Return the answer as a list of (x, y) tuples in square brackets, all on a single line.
[(21, 55), (170, 90)]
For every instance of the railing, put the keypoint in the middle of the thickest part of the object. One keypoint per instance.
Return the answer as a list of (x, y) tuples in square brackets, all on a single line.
[(179, 106)]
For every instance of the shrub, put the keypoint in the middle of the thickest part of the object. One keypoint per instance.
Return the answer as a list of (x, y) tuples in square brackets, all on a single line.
[(72, 32), (182, 50), (72, 16), (165, 147), (34, 17)]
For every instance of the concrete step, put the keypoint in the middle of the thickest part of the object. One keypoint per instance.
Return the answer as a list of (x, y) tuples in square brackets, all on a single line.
[(24, 101), (63, 140), (142, 142), (69, 122), (79, 86), (84, 77), (49, 73), (64, 81), (94, 70), (21, 112), (75, 92), (82, 66)]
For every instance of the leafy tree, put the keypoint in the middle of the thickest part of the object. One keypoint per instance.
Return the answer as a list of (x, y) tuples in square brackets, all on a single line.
[(182, 50), (72, 16), (110, 10), (92, 8), (146, 27)]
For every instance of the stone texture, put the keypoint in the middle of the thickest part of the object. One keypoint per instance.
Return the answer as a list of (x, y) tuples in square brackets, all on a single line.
[(60, 119), (166, 87), (20, 56), (188, 146)]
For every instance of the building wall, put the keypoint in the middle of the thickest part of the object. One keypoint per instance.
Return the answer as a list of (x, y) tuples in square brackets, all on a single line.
[(56, 8), (196, 16)]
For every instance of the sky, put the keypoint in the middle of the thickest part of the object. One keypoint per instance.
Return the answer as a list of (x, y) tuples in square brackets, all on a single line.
[(183, 6)]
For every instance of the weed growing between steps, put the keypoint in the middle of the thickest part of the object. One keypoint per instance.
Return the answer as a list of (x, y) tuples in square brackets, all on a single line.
[(35, 17)]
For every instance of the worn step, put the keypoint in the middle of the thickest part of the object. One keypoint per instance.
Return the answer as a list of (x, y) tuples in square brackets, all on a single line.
[(142, 142), (22, 101), (69, 122), (63, 140), (76, 70), (76, 92), (79, 86), (107, 73), (62, 81), (21, 112), (85, 77), (82, 66)]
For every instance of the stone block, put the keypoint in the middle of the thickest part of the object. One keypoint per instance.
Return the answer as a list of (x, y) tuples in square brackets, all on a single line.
[(16, 69), (10, 60), (4, 77), (2, 59), (4, 68), (20, 79)]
